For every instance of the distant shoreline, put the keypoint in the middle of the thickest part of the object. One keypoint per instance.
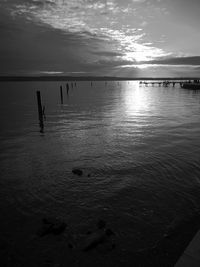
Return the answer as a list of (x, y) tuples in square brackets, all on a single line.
[(86, 78)]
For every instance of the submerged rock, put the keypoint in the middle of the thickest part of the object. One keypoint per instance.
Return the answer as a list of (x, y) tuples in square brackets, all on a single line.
[(101, 236), (70, 245), (58, 228), (50, 220), (78, 172), (101, 224), (44, 230), (70, 238), (51, 226), (94, 239), (109, 232)]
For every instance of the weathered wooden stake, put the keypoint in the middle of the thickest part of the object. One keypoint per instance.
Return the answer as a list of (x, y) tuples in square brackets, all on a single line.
[(67, 88), (40, 111), (61, 94), (39, 102)]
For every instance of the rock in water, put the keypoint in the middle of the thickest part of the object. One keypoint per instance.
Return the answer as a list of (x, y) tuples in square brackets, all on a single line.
[(101, 236), (101, 224), (44, 230), (58, 228), (51, 226), (50, 220), (78, 172), (109, 232), (94, 240)]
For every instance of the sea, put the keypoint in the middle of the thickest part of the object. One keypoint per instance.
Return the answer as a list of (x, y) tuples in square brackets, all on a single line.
[(138, 148)]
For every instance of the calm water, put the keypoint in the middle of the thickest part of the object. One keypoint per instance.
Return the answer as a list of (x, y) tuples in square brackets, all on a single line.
[(141, 146)]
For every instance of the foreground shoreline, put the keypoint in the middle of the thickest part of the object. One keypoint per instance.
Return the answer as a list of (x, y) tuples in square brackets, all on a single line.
[(54, 251)]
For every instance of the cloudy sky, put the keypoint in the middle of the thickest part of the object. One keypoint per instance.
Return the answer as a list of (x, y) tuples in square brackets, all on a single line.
[(100, 37)]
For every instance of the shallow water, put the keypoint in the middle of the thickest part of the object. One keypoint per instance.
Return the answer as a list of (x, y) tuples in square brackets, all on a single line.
[(139, 144)]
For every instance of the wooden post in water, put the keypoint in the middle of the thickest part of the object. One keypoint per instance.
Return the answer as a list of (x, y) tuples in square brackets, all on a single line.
[(39, 102), (40, 111), (61, 94), (67, 88)]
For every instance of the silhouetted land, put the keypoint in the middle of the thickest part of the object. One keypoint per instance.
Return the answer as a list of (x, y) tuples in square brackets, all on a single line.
[(87, 78)]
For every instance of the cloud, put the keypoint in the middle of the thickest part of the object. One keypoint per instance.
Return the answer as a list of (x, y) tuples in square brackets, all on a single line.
[(139, 1), (41, 47), (78, 36), (176, 61), (83, 18), (144, 23), (108, 53)]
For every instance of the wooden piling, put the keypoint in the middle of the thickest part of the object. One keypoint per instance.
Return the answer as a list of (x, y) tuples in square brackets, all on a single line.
[(39, 102), (67, 88), (40, 111), (61, 94)]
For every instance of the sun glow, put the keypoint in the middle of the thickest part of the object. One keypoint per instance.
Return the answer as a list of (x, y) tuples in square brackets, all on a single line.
[(138, 56), (144, 66), (142, 53)]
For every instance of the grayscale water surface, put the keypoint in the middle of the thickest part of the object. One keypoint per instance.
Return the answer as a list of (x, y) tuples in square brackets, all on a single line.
[(140, 145)]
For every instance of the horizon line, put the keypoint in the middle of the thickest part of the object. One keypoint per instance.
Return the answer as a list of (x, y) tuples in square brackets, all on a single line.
[(85, 78)]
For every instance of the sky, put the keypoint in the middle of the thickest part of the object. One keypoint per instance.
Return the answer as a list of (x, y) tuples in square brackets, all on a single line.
[(131, 38)]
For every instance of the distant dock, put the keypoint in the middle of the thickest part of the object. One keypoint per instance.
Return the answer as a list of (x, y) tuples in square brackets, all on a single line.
[(167, 83)]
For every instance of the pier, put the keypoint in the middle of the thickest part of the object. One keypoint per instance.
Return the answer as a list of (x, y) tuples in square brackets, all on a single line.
[(167, 83)]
